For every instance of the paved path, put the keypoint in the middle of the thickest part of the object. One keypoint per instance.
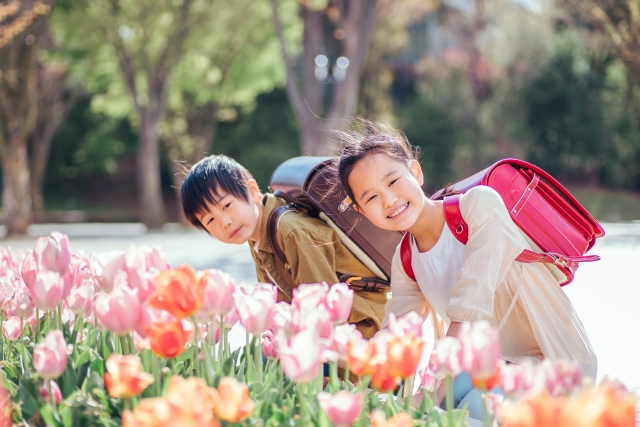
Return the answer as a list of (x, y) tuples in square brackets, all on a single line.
[(606, 294)]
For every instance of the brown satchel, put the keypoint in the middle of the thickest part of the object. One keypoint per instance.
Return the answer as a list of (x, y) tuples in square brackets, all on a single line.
[(307, 184)]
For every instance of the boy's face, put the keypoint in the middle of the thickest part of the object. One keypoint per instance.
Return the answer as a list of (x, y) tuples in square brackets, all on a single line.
[(232, 219)]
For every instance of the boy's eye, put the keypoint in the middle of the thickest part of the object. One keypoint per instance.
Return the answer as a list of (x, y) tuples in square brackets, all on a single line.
[(393, 182), (227, 205), (209, 222)]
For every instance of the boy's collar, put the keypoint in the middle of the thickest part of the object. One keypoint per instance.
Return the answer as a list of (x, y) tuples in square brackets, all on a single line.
[(270, 202)]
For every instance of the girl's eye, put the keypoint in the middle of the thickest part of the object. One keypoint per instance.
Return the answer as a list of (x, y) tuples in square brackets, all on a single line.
[(370, 199), (393, 182)]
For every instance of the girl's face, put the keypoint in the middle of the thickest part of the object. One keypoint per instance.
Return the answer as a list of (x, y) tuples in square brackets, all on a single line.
[(388, 192)]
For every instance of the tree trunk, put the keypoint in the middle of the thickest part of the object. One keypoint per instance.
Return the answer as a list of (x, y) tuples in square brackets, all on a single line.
[(151, 207), (16, 199)]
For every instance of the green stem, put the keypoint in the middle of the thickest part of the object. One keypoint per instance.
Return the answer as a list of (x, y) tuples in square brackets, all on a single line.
[(304, 411), (408, 393), (155, 370), (247, 353), (59, 313), (257, 359), (334, 381), (127, 404), (124, 344), (53, 401), (2, 335), (194, 355), (35, 338), (449, 398), (221, 350)]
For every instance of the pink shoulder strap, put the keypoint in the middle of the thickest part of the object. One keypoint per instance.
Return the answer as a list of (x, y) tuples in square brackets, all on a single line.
[(405, 256)]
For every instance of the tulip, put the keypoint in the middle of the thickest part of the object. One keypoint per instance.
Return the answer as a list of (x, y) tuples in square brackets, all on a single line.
[(142, 281), (410, 323), (230, 319), (359, 355), (22, 304), (342, 335), (7, 290), (106, 266), (339, 301), (29, 269), (480, 353), (493, 401), (300, 357), (52, 253), (255, 310), (218, 293), (559, 377), (124, 377), (80, 299), (12, 327), (382, 378), (118, 311), (57, 394), (308, 296), (178, 291), (268, 345), (428, 381), (517, 378), (401, 419), (167, 339), (6, 407), (445, 358), (403, 355), (317, 319), (343, 409), (147, 315), (281, 321), (50, 356), (47, 290), (232, 402)]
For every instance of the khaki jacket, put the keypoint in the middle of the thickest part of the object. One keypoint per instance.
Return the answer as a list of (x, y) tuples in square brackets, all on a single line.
[(316, 254)]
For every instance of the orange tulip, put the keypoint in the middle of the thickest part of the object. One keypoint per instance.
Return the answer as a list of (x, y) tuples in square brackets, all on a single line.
[(359, 355), (403, 355), (232, 400), (608, 406), (487, 383), (382, 379), (179, 291), (167, 339), (533, 410), (189, 403), (6, 420), (402, 419), (124, 377)]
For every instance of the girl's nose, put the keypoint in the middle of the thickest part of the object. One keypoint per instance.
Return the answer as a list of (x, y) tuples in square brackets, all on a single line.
[(388, 199)]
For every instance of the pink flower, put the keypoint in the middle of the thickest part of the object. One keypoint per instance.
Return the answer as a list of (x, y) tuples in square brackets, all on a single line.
[(230, 319), (22, 305), (445, 358), (342, 335), (118, 311), (47, 290), (480, 349), (339, 301), (300, 356), (309, 295), (29, 269), (50, 356), (11, 328), (281, 321), (315, 319), (218, 293), (7, 290), (428, 381), (559, 377), (410, 323), (268, 345), (343, 408), (147, 315), (517, 378), (80, 299), (52, 253), (57, 394), (105, 267), (256, 309), (492, 402)]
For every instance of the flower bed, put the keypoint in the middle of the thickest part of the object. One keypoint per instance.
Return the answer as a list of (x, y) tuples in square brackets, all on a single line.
[(122, 338)]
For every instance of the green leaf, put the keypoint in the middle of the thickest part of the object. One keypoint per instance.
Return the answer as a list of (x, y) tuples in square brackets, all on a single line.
[(81, 359), (46, 412), (26, 400)]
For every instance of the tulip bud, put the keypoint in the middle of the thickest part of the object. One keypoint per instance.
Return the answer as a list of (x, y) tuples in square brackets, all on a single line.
[(11, 328), (343, 408), (50, 356), (57, 394)]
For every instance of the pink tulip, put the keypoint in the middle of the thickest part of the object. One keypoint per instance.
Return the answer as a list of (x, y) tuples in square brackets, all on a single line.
[(118, 311), (517, 378), (7, 290), (428, 381), (268, 345), (80, 299), (317, 319), (300, 356), (29, 269), (22, 304), (493, 401), (142, 281), (410, 323), (11, 328), (47, 290), (255, 310), (218, 294), (343, 408), (147, 315), (445, 358), (480, 349), (105, 268), (342, 335), (559, 377), (281, 321), (230, 319), (310, 295), (57, 394), (339, 301), (50, 356), (52, 253)]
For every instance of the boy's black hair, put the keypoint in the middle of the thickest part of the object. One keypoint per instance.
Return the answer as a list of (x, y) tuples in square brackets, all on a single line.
[(204, 181)]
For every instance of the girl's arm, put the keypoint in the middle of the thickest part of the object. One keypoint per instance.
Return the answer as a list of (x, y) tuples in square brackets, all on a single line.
[(494, 243)]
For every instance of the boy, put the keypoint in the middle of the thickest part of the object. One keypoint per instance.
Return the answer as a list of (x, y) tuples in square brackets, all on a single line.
[(221, 197)]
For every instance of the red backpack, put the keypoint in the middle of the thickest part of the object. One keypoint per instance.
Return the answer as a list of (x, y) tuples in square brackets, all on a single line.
[(555, 224)]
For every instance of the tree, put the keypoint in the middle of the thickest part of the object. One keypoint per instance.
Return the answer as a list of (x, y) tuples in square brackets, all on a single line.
[(331, 29), (147, 39), (22, 25)]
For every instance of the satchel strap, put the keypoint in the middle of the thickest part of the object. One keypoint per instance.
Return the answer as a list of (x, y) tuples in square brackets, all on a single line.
[(366, 284), (460, 230), (272, 232)]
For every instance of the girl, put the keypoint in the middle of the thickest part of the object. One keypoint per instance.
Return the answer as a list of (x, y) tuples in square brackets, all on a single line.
[(460, 283)]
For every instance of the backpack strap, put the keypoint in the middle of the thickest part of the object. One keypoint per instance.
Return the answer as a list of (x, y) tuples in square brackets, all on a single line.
[(272, 232), (405, 255), (454, 219)]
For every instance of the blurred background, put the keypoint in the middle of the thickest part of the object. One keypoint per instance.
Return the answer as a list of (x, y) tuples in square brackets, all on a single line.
[(99, 99)]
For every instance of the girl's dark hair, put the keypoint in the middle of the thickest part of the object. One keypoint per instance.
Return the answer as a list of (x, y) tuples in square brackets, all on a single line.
[(366, 138), (204, 181)]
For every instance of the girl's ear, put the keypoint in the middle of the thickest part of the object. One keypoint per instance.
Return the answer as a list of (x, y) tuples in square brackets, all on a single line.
[(416, 170), (254, 191)]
